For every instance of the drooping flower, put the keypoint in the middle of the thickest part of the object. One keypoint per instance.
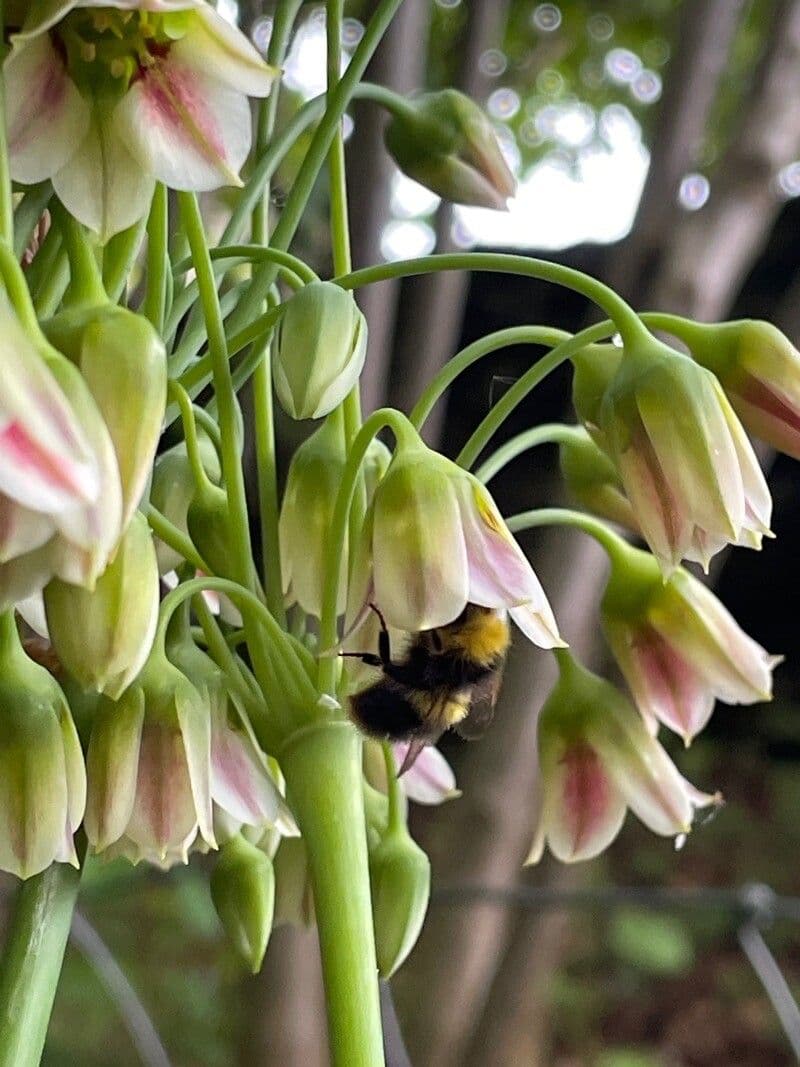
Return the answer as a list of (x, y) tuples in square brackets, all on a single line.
[(105, 99), (688, 468), (149, 769), (309, 499), (103, 636), (678, 646), (444, 141), (42, 776), (596, 760), (434, 541), (60, 491), (759, 369)]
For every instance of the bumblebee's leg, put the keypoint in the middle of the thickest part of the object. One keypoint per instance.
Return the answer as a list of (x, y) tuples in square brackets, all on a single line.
[(384, 646), (366, 657)]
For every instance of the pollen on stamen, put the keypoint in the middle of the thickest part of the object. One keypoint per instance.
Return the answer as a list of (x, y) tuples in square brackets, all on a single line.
[(88, 52)]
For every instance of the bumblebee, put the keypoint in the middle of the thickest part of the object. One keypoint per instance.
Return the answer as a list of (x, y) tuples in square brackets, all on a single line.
[(447, 677)]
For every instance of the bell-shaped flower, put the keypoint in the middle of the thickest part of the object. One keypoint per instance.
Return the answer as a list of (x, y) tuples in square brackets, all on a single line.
[(106, 99), (244, 792), (434, 541), (103, 636), (596, 760), (149, 768), (593, 481), (677, 645), (309, 499), (47, 463), (320, 347), (688, 468), (444, 141), (120, 355), (759, 369), (42, 776), (173, 488)]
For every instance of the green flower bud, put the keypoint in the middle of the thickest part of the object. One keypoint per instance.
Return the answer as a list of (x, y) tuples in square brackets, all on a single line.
[(172, 490), (123, 361), (243, 891), (103, 636), (315, 474), (321, 343), (445, 142), (209, 528), (42, 776), (400, 876)]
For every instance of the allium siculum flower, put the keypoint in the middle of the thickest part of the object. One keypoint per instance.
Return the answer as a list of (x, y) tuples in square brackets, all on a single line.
[(107, 99), (678, 646), (244, 794), (173, 488), (688, 468), (596, 760), (149, 769), (433, 541), (60, 491), (103, 636), (759, 369), (42, 776), (309, 500)]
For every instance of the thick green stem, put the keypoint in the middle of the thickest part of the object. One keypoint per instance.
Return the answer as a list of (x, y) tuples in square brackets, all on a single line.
[(31, 962), (322, 765)]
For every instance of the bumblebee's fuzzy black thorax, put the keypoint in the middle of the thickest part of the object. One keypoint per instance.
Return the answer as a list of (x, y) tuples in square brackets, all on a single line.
[(386, 710)]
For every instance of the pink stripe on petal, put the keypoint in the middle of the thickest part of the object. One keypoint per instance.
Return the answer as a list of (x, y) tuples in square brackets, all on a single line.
[(668, 686), (163, 813), (430, 780), (240, 784), (499, 573), (584, 809)]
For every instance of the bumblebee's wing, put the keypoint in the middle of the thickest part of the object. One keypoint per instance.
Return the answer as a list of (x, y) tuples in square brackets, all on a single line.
[(481, 709)]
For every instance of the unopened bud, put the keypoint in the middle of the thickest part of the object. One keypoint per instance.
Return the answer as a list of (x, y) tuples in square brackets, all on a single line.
[(321, 343), (445, 142), (42, 777), (207, 521), (243, 891), (173, 488), (400, 876), (123, 361), (103, 636)]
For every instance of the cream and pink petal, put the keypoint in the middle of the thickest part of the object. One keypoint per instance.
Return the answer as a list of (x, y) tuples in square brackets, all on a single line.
[(164, 812), (187, 129), (430, 780), (227, 54), (240, 783), (112, 767), (46, 116)]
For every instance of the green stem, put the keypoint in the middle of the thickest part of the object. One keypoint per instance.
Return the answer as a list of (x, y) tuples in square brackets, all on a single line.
[(17, 291), (324, 134), (549, 433), (175, 538), (322, 765), (31, 963), (294, 269), (181, 398), (6, 199), (154, 305), (264, 416), (625, 319), (328, 635), (514, 335), (119, 256), (394, 792), (596, 528), (241, 553), (86, 281), (519, 390)]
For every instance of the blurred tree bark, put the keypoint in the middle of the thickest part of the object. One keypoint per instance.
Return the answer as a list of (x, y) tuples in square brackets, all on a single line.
[(433, 306)]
